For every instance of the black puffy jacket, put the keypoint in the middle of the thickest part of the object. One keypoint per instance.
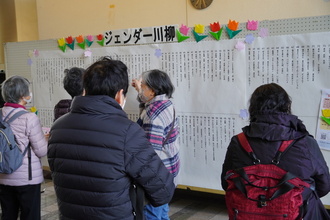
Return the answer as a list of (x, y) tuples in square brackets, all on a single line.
[(94, 153)]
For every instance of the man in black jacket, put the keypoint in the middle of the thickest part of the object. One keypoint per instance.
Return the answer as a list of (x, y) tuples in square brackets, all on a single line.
[(95, 152)]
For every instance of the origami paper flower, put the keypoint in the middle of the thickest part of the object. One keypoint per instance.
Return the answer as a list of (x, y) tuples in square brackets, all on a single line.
[(158, 53), (249, 38), (216, 31), (252, 25), (215, 27), (36, 52), (31, 53), (231, 33), (100, 39), (263, 32), (61, 44), (184, 29), (327, 120), (180, 36), (240, 45), (326, 112), (233, 25), (29, 62), (34, 110), (81, 41), (70, 42), (90, 40), (88, 53), (199, 28), (198, 37)]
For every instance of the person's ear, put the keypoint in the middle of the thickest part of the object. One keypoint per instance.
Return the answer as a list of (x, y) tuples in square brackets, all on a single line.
[(120, 97)]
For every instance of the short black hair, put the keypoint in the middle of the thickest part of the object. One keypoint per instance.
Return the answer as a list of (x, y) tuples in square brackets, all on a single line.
[(73, 81), (106, 77), (159, 82), (269, 98)]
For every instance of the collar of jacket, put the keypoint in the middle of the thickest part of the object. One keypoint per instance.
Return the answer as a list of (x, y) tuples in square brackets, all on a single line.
[(276, 127)]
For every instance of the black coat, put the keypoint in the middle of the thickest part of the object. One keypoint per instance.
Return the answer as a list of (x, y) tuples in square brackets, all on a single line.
[(303, 159), (95, 152)]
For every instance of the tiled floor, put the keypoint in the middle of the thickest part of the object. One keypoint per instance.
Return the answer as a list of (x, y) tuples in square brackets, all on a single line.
[(186, 205)]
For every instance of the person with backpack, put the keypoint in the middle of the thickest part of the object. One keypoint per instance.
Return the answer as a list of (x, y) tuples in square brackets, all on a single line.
[(271, 126), (20, 190)]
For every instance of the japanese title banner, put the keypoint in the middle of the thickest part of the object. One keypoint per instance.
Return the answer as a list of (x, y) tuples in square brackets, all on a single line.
[(148, 35)]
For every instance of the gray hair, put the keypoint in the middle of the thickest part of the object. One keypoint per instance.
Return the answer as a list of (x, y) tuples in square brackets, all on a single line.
[(14, 88)]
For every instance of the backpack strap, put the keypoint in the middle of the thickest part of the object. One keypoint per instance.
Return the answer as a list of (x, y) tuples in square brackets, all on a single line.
[(28, 148), (247, 147), (16, 115)]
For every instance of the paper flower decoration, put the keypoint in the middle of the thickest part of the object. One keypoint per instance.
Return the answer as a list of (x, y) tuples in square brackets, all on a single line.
[(61, 44), (88, 53), (263, 32), (233, 25), (240, 45), (158, 53), (198, 37), (252, 25), (184, 29), (231, 33), (70, 42), (216, 31), (36, 52), (29, 62), (249, 38), (89, 40), (81, 41), (180, 36), (100, 39), (327, 120), (199, 28), (215, 27), (326, 112), (34, 110)]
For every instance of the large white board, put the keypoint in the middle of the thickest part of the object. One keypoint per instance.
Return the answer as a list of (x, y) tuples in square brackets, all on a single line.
[(213, 83)]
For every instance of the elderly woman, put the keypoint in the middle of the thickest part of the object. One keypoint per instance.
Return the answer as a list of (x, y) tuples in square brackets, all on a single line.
[(271, 122), (160, 123), (19, 192)]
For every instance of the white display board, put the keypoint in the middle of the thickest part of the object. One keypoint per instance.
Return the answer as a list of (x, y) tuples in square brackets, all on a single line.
[(213, 82)]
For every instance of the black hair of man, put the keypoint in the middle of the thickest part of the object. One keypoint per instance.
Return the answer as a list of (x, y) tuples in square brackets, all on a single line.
[(106, 77), (73, 81)]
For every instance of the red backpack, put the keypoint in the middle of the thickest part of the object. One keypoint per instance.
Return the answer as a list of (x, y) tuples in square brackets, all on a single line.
[(264, 191)]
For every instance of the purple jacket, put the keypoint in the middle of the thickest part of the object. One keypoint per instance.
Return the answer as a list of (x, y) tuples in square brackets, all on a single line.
[(303, 159), (27, 129)]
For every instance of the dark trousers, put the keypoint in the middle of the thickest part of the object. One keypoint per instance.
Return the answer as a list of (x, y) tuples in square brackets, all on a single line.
[(23, 199)]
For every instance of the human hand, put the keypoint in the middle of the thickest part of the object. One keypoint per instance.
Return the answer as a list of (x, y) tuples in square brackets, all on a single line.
[(136, 83), (46, 136)]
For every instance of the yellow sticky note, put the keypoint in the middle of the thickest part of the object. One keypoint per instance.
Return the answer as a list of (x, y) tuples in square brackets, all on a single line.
[(326, 112)]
